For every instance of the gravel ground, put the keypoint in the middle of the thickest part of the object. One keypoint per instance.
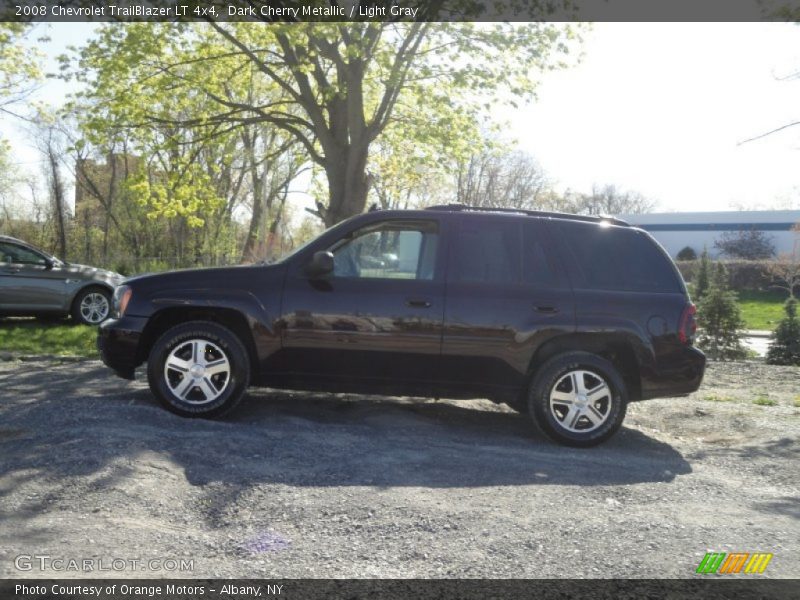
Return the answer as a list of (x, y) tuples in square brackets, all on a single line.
[(309, 485)]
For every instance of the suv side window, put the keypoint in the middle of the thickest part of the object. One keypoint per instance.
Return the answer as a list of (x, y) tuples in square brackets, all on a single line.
[(388, 250), (11, 253), (486, 251), (538, 263), (619, 258)]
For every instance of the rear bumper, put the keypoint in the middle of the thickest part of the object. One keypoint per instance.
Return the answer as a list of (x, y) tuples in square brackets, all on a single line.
[(679, 373), (118, 343)]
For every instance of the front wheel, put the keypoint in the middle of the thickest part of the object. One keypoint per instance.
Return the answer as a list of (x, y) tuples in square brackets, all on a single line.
[(92, 306), (578, 399), (198, 369)]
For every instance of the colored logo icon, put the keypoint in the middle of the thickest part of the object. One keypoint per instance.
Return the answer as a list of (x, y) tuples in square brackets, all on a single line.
[(722, 563)]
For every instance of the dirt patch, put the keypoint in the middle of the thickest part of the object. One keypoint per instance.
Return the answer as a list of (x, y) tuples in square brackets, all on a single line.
[(314, 485)]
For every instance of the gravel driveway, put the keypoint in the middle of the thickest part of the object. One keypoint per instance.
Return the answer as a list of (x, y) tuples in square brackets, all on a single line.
[(299, 485)]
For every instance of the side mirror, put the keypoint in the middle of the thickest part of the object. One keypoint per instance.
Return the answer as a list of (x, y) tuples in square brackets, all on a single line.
[(48, 264), (321, 264)]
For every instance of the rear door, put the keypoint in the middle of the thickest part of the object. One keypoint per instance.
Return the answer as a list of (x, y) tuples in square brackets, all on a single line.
[(506, 294)]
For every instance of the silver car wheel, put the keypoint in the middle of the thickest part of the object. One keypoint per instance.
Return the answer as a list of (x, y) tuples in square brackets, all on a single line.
[(197, 371), (94, 308), (581, 401)]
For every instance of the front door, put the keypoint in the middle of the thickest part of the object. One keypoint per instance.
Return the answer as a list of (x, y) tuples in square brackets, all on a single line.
[(27, 283), (376, 321)]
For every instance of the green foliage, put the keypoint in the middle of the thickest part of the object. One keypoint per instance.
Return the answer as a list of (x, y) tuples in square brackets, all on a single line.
[(701, 283), (716, 398), (24, 336), (333, 88), (19, 66), (764, 400), (720, 320), (785, 346), (186, 191), (687, 253)]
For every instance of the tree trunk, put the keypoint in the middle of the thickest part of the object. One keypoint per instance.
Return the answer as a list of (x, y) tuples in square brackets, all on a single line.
[(58, 200), (258, 218), (348, 183)]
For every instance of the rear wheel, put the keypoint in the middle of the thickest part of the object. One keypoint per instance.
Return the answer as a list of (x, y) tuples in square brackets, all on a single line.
[(198, 369), (578, 399)]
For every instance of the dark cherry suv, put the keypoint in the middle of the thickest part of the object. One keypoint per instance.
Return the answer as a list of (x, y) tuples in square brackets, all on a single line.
[(565, 317)]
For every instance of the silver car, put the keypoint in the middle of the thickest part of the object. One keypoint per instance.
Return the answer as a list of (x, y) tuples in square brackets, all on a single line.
[(33, 283)]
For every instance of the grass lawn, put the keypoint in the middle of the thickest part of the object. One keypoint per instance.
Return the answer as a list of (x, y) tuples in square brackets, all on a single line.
[(762, 310), (28, 336)]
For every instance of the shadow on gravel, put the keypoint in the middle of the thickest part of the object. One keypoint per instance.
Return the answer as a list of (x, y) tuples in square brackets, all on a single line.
[(789, 507), (87, 431)]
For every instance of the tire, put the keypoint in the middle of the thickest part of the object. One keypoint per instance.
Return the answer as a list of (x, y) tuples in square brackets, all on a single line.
[(91, 306), (193, 349), (569, 404)]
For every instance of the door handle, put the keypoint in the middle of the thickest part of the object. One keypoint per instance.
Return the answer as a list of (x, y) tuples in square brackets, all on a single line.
[(548, 310), (418, 303)]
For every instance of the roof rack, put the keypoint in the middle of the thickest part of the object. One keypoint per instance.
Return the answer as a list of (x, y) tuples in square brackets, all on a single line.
[(531, 213)]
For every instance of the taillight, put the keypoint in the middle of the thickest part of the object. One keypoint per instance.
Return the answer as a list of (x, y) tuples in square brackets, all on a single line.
[(688, 325)]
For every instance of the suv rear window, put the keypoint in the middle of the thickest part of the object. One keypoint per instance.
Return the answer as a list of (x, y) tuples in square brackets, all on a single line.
[(618, 258)]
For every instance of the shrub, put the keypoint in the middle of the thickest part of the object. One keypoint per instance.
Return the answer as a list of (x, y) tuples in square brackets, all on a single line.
[(687, 253), (749, 244), (764, 400), (720, 319), (742, 274), (785, 346), (701, 285)]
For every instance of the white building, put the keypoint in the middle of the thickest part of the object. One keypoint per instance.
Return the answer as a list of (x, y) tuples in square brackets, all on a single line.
[(675, 231)]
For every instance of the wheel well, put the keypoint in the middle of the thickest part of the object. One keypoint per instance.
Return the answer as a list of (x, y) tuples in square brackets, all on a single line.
[(618, 352), (169, 317)]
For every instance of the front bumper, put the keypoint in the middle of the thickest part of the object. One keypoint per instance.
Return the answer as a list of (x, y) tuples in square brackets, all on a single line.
[(118, 343)]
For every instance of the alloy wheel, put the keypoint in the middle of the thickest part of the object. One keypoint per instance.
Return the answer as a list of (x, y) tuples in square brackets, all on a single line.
[(581, 401), (197, 371), (94, 308)]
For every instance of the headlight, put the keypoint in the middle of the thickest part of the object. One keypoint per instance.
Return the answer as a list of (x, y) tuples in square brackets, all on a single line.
[(122, 295)]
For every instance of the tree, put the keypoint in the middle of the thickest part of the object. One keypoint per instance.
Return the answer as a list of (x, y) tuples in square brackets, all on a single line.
[(501, 178), (50, 143), (334, 87), (786, 270), (19, 66), (703, 271), (19, 75), (785, 346), (747, 244), (609, 200), (687, 253), (720, 319), (404, 175), (192, 180)]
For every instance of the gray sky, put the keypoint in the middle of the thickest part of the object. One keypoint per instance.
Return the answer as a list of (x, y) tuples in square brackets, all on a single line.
[(658, 108)]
